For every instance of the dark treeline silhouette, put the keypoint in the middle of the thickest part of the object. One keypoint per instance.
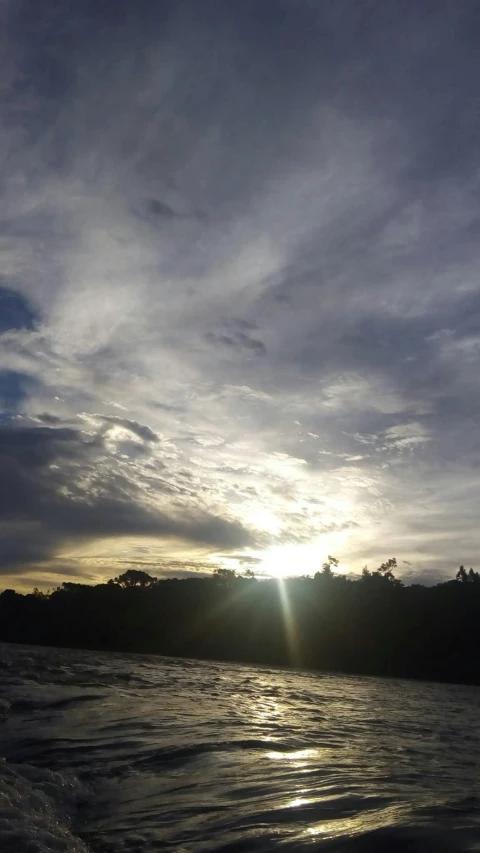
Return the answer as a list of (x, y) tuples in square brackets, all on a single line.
[(372, 625)]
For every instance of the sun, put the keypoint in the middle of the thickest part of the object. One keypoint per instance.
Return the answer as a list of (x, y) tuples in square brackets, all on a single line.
[(282, 561), (291, 560)]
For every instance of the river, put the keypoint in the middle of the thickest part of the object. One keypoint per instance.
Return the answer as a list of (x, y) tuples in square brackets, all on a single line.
[(121, 753)]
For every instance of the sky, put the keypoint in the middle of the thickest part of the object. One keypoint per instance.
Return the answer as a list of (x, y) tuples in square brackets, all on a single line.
[(239, 287)]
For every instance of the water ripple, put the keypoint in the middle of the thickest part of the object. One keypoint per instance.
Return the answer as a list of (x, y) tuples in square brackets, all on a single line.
[(164, 754)]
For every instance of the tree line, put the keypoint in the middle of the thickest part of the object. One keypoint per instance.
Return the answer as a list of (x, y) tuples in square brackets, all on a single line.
[(372, 625)]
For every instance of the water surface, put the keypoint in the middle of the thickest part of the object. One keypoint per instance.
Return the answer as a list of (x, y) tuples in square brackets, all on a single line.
[(107, 752)]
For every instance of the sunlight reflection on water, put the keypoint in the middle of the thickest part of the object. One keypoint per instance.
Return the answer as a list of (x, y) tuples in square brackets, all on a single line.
[(199, 756), (292, 756)]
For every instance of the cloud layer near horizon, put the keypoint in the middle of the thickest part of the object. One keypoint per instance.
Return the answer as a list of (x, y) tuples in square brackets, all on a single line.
[(239, 298)]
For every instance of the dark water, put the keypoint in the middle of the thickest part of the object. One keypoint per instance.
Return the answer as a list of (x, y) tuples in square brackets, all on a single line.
[(121, 753)]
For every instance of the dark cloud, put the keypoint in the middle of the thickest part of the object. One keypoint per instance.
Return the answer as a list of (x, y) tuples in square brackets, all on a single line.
[(239, 342), (44, 504), (140, 430), (15, 311), (314, 331), (50, 420), (243, 559), (13, 388), (22, 546), (238, 336), (159, 208), (179, 569)]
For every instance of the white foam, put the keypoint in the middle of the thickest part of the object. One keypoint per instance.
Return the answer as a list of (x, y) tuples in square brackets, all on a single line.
[(36, 807)]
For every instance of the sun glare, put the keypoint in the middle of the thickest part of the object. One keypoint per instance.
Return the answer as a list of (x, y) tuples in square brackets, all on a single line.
[(294, 560)]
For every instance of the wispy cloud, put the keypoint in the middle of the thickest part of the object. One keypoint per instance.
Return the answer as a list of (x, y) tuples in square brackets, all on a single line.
[(239, 297)]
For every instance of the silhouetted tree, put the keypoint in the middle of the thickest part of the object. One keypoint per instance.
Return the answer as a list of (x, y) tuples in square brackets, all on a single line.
[(224, 576), (467, 577), (8, 595), (326, 572), (373, 625), (135, 577), (386, 569), (37, 593)]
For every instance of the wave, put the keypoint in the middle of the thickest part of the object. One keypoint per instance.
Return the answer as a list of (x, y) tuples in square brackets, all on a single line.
[(34, 704), (204, 757), (383, 840), (188, 752), (37, 810)]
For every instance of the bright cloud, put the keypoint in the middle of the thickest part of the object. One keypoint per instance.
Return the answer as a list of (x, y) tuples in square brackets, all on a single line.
[(239, 297)]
